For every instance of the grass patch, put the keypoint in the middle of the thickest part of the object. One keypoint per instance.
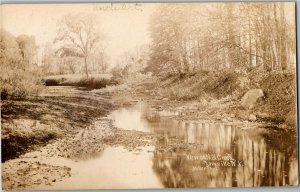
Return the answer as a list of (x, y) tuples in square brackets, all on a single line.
[(15, 144), (31, 123)]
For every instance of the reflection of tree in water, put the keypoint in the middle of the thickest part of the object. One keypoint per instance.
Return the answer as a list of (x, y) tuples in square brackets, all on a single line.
[(264, 164), (171, 169)]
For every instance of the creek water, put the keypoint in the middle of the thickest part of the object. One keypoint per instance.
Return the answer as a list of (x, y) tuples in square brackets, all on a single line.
[(188, 154), (115, 168)]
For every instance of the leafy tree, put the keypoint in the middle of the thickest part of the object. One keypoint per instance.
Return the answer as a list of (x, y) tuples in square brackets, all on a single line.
[(28, 49), (239, 36), (78, 36), (17, 78), (48, 59), (99, 59)]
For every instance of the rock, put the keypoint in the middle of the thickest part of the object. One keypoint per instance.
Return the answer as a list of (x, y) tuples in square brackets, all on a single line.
[(229, 119), (224, 120), (252, 117), (251, 97), (232, 115), (262, 115), (283, 126), (165, 99), (158, 98), (218, 117)]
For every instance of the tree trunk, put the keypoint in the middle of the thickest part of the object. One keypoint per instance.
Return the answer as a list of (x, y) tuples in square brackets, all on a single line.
[(224, 59), (250, 45), (86, 67), (283, 51), (277, 40), (207, 61), (275, 54), (256, 53)]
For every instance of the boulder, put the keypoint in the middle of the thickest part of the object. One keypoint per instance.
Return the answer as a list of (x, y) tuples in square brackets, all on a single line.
[(252, 117), (224, 120), (251, 97)]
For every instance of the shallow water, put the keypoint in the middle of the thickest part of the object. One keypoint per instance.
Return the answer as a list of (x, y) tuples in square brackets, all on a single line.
[(115, 168), (187, 154), (200, 154)]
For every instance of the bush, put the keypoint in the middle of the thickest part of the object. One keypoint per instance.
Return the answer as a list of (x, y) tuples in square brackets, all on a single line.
[(51, 82), (117, 75), (19, 77), (92, 83), (20, 84)]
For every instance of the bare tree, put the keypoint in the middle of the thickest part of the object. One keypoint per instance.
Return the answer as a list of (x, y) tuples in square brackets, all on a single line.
[(240, 36), (78, 35)]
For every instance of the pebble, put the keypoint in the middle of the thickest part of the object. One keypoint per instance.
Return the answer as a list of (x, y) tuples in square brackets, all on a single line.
[(232, 115), (252, 117)]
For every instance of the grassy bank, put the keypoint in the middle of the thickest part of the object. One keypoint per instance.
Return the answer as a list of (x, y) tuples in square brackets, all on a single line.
[(280, 103), (95, 81), (205, 87), (31, 123)]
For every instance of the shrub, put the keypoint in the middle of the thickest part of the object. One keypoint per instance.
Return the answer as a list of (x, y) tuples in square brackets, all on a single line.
[(117, 75), (51, 82), (19, 77), (93, 83), (20, 84)]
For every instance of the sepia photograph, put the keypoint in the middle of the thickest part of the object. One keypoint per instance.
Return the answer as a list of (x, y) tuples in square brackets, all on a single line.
[(148, 95)]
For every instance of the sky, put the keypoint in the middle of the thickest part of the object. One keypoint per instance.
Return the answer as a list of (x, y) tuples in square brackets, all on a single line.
[(125, 26)]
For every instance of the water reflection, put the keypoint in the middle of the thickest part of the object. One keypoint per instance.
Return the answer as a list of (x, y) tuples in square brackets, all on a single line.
[(116, 168), (255, 160)]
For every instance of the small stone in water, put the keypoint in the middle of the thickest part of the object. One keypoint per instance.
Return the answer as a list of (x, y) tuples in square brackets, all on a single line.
[(252, 117)]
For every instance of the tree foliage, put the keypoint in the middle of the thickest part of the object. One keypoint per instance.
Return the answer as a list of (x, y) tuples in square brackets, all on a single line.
[(78, 36), (20, 76)]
